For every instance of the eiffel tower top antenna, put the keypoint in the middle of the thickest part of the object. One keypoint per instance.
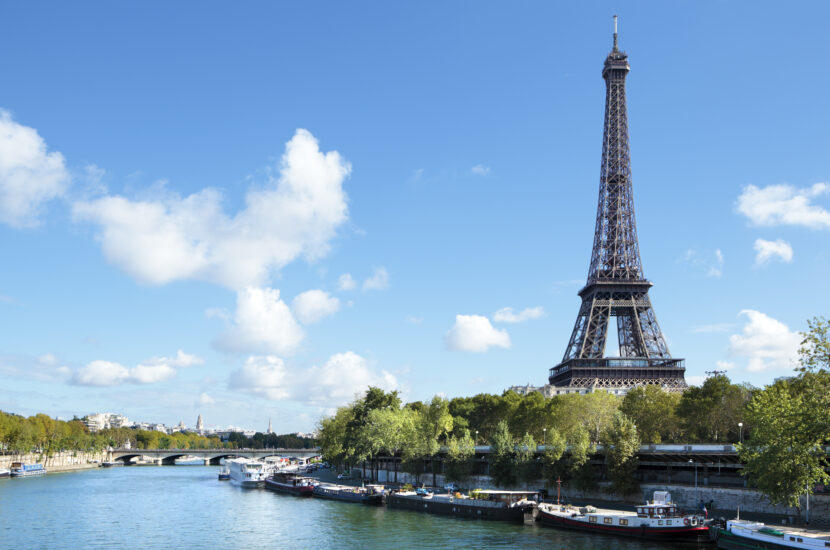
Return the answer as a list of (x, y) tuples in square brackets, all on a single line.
[(616, 48)]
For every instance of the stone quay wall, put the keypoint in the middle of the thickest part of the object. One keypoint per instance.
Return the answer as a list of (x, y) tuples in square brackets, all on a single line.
[(58, 462), (725, 500)]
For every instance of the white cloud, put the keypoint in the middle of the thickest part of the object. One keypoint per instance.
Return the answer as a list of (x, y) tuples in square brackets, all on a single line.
[(342, 377), (149, 374), (168, 238), (336, 382), (695, 380), (101, 373), (46, 368), (714, 327), (205, 399), (48, 359), (378, 281), (265, 376), (414, 320), (506, 315), (784, 205), (475, 333), (313, 305), (480, 170), (724, 365), (29, 174), (767, 251), (262, 323), (155, 369), (768, 344), (346, 282)]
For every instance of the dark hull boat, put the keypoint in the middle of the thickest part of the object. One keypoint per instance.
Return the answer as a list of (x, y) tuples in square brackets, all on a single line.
[(492, 505), (290, 483), (345, 493), (655, 520)]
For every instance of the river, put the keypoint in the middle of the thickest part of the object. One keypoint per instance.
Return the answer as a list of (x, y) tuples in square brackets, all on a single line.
[(186, 507)]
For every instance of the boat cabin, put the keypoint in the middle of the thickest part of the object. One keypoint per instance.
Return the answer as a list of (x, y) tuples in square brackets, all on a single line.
[(660, 507), (507, 497)]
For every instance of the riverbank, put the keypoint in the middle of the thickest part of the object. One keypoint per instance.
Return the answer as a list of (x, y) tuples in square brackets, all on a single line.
[(65, 461), (725, 500)]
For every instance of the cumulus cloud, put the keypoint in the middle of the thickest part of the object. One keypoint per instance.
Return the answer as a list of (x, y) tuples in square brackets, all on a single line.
[(346, 282), (766, 251), (480, 170), (205, 399), (378, 281), (767, 344), (313, 305), (155, 369), (336, 382), (475, 333), (506, 314), (265, 376), (30, 175), (46, 368), (262, 323), (168, 238), (784, 205)]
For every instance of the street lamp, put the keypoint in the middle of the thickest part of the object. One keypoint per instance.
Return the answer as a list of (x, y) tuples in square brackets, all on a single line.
[(741, 431), (475, 442), (544, 436), (695, 463)]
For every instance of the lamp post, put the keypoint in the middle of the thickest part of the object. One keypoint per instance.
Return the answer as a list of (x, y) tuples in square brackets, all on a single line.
[(475, 442), (741, 431), (695, 463), (544, 436)]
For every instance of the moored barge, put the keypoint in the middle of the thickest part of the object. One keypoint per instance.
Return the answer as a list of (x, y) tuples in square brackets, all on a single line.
[(288, 482), (493, 505), (740, 534), (655, 520), (370, 494)]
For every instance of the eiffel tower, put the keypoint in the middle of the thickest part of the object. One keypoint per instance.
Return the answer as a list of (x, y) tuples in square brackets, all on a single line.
[(616, 286)]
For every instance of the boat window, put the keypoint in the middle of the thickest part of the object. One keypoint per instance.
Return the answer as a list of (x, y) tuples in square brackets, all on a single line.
[(623, 522), (592, 519), (668, 522), (659, 510), (608, 520), (659, 522)]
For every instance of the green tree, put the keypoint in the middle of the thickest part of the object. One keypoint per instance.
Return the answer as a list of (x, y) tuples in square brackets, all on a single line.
[(502, 456), (527, 467), (654, 412), (711, 412), (815, 347), (553, 466), (784, 456), (620, 445), (460, 457)]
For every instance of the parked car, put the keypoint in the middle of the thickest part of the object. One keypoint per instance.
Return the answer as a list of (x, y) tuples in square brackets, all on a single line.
[(344, 475)]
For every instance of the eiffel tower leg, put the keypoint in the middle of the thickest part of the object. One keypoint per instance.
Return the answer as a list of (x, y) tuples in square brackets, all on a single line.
[(597, 328)]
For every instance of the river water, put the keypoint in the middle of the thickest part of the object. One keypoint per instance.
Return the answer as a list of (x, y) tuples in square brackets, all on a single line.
[(187, 507)]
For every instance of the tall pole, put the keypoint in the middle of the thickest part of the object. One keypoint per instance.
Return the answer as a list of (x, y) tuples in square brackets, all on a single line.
[(741, 431), (544, 436)]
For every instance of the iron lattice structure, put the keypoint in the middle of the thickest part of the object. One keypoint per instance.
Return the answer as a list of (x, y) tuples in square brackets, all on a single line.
[(616, 286)]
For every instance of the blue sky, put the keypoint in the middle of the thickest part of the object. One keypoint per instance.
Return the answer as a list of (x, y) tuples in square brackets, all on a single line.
[(184, 186)]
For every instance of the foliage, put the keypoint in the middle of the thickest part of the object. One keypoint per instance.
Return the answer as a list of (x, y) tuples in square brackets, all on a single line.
[(620, 445), (784, 457), (711, 412), (460, 457), (527, 465), (502, 456), (815, 347), (553, 466), (653, 411)]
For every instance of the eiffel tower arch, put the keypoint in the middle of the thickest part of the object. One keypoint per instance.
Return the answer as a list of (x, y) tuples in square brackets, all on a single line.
[(616, 286)]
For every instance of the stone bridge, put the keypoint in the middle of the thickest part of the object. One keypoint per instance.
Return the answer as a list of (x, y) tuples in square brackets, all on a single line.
[(209, 456)]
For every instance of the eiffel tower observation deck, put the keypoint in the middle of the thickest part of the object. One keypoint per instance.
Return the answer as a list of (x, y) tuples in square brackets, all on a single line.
[(616, 286)]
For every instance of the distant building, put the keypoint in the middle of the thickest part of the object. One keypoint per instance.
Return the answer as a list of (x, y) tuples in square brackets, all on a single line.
[(270, 431), (102, 421), (549, 391), (200, 426)]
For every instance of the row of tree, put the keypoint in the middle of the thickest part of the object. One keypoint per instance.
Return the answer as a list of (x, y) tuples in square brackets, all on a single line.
[(784, 427), (45, 435)]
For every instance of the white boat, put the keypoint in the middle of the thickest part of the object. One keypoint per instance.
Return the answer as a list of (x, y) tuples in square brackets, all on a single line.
[(19, 469), (741, 534), (4, 472), (247, 472)]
